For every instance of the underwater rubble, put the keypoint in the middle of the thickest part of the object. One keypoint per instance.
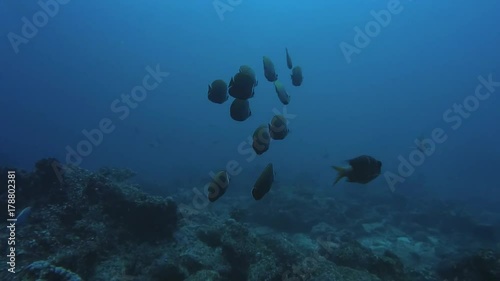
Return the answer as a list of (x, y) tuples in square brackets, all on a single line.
[(100, 225)]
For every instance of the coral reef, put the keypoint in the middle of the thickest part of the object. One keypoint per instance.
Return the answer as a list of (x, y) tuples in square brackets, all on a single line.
[(43, 270), (78, 217), (483, 265), (100, 226)]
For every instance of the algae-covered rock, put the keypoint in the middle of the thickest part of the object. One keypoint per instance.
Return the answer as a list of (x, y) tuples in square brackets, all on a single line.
[(354, 255), (484, 265)]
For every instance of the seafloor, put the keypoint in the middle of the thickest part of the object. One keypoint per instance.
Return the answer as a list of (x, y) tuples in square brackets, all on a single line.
[(99, 226)]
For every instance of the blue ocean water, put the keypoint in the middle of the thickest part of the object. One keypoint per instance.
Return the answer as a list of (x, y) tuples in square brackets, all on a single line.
[(427, 58), (378, 76)]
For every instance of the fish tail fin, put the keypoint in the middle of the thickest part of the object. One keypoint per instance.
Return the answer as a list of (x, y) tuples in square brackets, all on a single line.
[(341, 172)]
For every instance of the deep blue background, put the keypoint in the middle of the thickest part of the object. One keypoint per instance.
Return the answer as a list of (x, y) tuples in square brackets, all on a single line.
[(427, 58)]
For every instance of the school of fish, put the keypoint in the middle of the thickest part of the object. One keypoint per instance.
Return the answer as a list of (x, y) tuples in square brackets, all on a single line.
[(241, 87)]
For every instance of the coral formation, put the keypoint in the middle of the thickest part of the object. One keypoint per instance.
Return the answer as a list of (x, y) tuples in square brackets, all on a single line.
[(101, 225)]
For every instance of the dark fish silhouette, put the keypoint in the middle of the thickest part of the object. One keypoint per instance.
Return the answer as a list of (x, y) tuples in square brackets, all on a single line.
[(242, 85), (297, 77), (278, 128), (269, 71), (261, 140), (240, 110), (264, 182), (217, 92), (282, 93), (218, 186), (288, 60), (363, 170)]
